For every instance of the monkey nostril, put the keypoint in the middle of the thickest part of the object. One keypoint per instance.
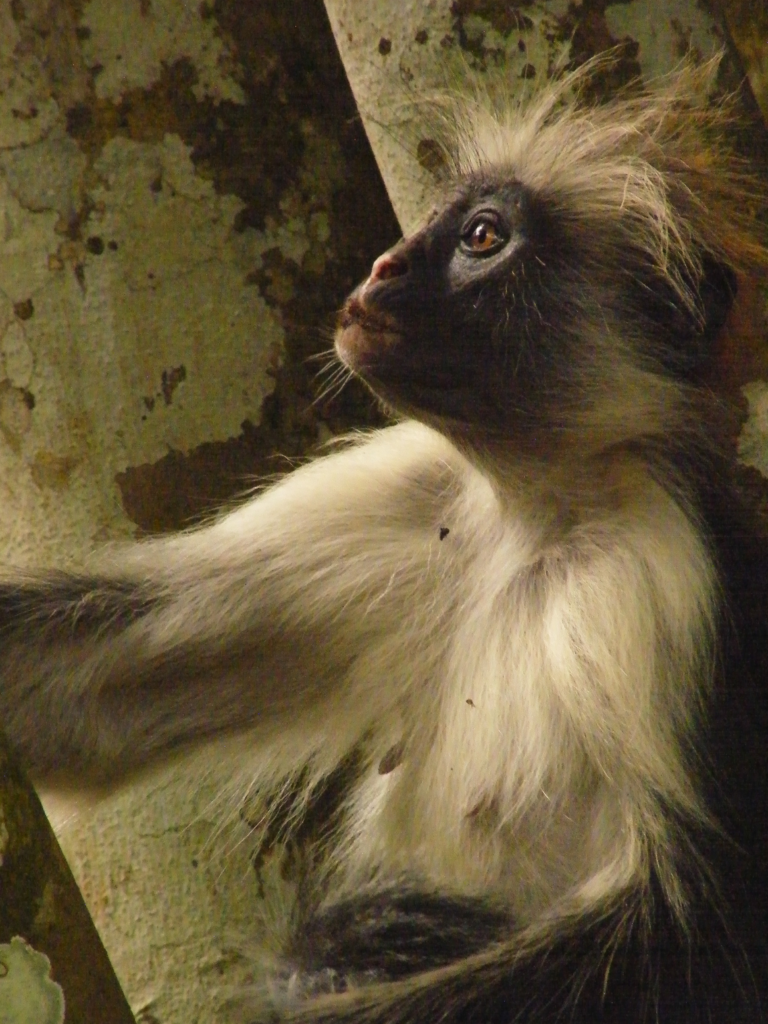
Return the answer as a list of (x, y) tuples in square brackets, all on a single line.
[(387, 266)]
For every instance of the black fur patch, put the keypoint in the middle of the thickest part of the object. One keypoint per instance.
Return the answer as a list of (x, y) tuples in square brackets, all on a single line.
[(392, 934), (78, 604)]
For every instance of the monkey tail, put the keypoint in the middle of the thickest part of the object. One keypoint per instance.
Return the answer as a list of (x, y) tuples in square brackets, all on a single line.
[(409, 957)]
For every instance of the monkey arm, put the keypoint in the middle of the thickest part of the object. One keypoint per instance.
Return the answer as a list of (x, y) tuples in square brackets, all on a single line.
[(248, 624)]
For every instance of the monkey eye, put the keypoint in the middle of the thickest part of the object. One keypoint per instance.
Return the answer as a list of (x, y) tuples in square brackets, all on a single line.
[(483, 236)]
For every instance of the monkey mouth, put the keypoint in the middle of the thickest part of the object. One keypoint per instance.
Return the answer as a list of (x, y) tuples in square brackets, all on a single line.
[(364, 336)]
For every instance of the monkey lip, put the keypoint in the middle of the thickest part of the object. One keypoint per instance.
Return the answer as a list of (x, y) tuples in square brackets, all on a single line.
[(364, 335)]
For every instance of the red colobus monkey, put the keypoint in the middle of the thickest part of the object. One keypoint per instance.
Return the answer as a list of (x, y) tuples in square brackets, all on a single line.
[(526, 623)]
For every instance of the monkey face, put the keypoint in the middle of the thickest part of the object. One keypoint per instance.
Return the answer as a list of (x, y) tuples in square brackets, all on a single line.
[(442, 327), (515, 313), (482, 321)]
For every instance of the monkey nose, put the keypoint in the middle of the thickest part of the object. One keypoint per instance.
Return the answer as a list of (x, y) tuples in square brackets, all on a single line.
[(388, 265)]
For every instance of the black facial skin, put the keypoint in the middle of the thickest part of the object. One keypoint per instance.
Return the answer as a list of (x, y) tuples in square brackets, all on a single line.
[(446, 314), (499, 313)]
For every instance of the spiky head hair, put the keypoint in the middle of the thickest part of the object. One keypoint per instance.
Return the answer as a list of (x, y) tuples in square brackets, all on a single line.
[(654, 167)]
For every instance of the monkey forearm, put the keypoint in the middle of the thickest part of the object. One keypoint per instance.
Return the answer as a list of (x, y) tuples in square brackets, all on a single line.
[(98, 701), (248, 624)]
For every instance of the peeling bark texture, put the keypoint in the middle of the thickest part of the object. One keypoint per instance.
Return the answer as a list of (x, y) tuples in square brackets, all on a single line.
[(293, 150), (40, 903), (188, 197)]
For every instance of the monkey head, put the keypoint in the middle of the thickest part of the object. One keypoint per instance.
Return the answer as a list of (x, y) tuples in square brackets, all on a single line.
[(563, 295)]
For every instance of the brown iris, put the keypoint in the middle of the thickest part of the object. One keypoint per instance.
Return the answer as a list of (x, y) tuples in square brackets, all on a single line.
[(482, 237)]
